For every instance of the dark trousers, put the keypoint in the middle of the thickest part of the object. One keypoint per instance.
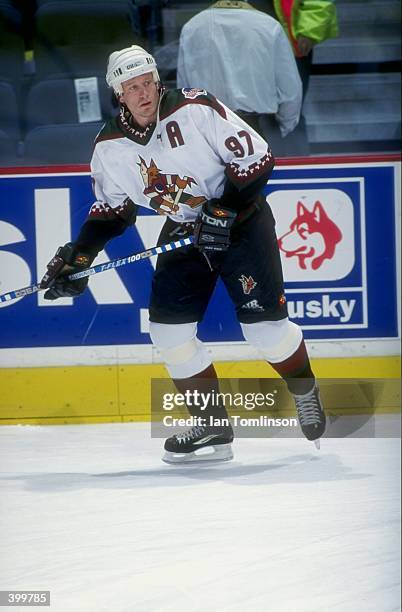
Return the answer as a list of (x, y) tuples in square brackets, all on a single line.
[(294, 144), (250, 269)]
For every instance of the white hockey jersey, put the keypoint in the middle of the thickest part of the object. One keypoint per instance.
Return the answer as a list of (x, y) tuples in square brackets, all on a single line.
[(172, 167)]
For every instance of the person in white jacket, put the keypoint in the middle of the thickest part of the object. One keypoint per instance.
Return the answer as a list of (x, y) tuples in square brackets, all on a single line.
[(244, 58)]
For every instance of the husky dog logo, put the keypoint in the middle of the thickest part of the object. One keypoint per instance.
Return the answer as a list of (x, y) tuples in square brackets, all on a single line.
[(248, 284), (191, 92), (312, 236), (166, 191)]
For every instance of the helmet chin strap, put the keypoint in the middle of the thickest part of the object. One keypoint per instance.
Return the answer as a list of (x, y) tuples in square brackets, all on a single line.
[(162, 90)]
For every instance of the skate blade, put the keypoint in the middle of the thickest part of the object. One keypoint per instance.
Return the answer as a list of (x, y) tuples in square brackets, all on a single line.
[(217, 453), (317, 442)]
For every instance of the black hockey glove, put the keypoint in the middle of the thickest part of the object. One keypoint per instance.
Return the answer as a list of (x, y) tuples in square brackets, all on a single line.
[(212, 227), (66, 261)]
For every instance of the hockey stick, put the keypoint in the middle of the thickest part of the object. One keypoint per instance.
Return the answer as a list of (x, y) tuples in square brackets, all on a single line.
[(115, 263)]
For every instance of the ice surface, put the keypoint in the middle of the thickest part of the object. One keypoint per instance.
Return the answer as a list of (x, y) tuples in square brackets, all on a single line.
[(91, 513)]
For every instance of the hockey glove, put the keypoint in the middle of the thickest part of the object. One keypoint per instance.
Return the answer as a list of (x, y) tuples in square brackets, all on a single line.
[(66, 261), (212, 227)]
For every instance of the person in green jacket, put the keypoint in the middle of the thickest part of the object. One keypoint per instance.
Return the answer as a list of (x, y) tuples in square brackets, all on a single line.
[(306, 23)]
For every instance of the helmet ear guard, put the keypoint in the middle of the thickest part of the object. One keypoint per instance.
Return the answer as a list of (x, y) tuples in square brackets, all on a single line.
[(127, 64)]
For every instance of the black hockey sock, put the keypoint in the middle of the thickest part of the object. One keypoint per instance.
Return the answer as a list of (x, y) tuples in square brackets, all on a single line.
[(204, 387), (296, 371)]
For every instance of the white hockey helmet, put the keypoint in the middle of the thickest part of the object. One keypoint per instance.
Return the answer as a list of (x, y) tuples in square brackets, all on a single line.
[(128, 63)]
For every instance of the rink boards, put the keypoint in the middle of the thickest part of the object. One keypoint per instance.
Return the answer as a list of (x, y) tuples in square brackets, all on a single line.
[(118, 393), (345, 295)]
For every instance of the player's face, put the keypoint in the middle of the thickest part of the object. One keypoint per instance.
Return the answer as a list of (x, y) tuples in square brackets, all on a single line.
[(141, 96)]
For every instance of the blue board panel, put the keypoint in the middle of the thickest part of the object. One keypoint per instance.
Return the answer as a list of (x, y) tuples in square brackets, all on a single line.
[(336, 230)]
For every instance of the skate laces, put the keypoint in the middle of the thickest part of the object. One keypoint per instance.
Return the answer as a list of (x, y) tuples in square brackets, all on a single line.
[(190, 434), (308, 408)]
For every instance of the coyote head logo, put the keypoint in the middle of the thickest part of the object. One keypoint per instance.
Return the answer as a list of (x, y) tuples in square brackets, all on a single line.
[(248, 283), (312, 236)]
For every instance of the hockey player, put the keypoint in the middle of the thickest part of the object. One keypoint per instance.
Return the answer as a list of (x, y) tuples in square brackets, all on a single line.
[(192, 160)]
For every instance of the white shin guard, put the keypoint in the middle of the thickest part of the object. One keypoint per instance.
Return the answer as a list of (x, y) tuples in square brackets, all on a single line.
[(277, 340), (181, 351)]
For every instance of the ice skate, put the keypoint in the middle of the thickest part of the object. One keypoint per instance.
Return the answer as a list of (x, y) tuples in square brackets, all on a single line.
[(200, 444), (311, 415)]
